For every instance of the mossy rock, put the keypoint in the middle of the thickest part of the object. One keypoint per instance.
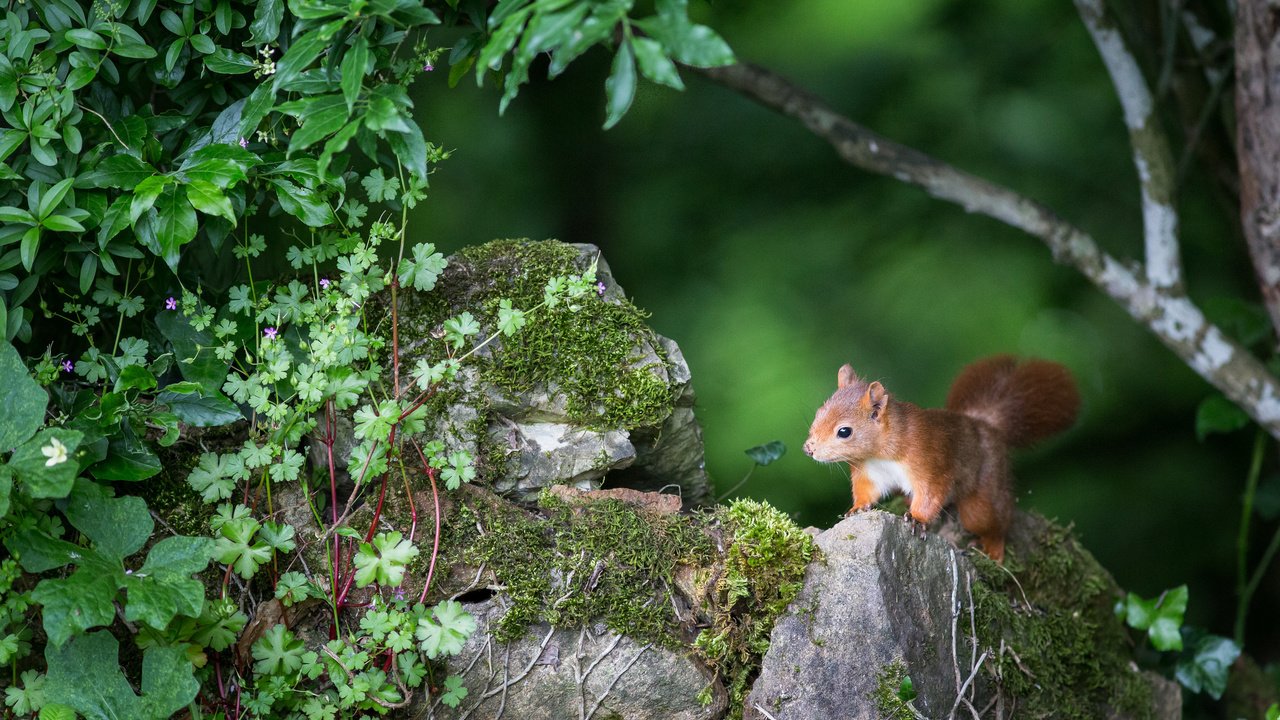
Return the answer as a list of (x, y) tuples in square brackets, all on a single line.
[(582, 392), (886, 605)]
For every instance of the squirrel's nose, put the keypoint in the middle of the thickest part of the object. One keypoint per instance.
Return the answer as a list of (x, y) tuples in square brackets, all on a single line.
[(808, 448)]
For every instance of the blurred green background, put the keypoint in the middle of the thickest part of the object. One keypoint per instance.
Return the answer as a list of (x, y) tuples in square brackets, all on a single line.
[(771, 263)]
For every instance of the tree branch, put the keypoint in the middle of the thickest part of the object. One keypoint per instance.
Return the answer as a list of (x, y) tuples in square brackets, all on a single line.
[(1174, 319), (1258, 143), (1151, 154)]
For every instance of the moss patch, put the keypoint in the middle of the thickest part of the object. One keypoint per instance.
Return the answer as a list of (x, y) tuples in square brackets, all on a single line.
[(573, 565), (1065, 653), (587, 353), (764, 568), (889, 691)]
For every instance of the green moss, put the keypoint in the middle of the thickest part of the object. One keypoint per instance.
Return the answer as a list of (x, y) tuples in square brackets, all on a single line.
[(888, 693), (587, 353), (1065, 651), (764, 568), (602, 561)]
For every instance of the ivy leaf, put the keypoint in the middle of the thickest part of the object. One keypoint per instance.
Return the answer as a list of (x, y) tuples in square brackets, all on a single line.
[(84, 600), (1161, 617), (1217, 414), (22, 403), (85, 675), (196, 407), (446, 634), (384, 561), (767, 453), (118, 526), (46, 465), (164, 587), (1206, 668)]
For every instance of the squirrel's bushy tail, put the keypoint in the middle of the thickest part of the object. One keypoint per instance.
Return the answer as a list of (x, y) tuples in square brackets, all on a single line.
[(1027, 401)]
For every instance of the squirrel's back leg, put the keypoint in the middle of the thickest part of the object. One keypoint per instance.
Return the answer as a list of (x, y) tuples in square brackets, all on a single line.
[(988, 511)]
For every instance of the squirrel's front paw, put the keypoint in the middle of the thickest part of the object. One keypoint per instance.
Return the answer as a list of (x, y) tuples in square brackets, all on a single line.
[(855, 510)]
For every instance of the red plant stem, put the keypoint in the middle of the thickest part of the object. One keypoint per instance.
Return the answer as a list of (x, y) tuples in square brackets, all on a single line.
[(413, 510), (435, 495), (395, 333), (330, 436)]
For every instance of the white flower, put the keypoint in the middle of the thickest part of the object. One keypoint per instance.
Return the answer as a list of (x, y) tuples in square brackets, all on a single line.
[(57, 453)]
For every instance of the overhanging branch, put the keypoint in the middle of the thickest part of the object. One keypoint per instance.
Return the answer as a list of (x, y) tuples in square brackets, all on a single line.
[(1173, 318)]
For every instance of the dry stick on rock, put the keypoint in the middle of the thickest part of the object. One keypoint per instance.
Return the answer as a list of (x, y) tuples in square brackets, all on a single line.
[(1154, 298)]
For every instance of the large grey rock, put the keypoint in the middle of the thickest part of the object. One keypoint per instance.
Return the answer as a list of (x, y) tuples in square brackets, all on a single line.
[(582, 673), (884, 604)]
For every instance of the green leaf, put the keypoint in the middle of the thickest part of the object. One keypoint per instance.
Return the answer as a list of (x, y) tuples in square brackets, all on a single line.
[(278, 652), (118, 526), (265, 27), (46, 465), (86, 38), (62, 223), (446, 634), (176, 225), (256, 107), (135, 377), (23, 402), (199, 409), (302, 203), (6, 488), (696, 45), (322, 117), (210, 200), (655, 64), (302, 53), (384, 561), (1206, 668), (145, 194), (767, 453), (620, 87), (85, 675), (191, 348), (228, 62), (1161, 617), (1217, 414), (164, 587), (353, 67), (74, 604), (128, 459)]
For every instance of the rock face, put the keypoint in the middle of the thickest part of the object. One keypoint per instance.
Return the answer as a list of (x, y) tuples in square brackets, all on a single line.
[(585, 673), (884, 605), (576, 398)]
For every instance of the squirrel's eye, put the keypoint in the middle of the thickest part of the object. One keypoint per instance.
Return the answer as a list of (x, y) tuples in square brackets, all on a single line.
[(844, 432)]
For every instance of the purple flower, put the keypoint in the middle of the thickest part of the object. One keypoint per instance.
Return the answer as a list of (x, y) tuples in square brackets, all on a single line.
[(428, 67), (170, 304), (67, 366), (600, 288), (244, 143), (324, 283), (270, 333)]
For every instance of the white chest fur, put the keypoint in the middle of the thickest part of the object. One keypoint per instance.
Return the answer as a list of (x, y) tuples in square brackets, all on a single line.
[(888, 476)]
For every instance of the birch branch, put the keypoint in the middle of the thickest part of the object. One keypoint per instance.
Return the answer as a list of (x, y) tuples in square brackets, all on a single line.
[(1258, 143), (1151, 154), (1172, 318)]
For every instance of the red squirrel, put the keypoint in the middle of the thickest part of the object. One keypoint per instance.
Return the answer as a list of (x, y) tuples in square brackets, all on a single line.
[(959, 454)]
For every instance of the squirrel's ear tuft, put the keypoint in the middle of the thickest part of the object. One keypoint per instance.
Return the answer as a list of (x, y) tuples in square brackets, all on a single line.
[(876, 400), (845, 376)]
